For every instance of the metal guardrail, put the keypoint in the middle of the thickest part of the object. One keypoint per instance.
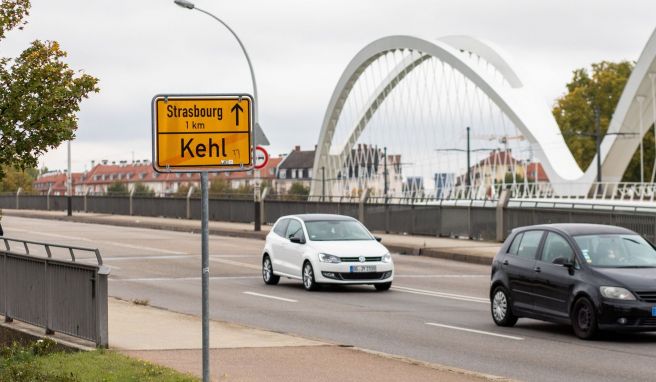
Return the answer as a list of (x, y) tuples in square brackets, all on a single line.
[(63, 296), (474, 218)]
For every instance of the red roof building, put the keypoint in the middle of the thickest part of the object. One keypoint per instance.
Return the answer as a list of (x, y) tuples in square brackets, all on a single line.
[(101, 176), (55, 182)]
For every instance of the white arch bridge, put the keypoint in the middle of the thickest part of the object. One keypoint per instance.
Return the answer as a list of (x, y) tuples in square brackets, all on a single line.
[(411, 118)]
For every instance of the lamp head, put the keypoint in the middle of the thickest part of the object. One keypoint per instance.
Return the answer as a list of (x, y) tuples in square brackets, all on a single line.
[(185, 4)]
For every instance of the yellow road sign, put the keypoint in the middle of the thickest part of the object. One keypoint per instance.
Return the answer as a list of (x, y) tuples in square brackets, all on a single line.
[(202, 133)]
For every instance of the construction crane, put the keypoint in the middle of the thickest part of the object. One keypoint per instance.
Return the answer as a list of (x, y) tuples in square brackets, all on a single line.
[(503, 139)]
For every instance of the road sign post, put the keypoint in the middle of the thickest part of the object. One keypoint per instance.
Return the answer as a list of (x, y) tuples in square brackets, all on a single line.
[(203, 133)]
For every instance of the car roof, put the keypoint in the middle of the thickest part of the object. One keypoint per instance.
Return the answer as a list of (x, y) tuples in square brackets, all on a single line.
[(317, 217), (575, 229)]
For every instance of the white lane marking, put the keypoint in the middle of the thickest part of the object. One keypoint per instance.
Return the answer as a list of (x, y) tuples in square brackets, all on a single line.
[(475, 331), (272, 297), (440, 276), (237, 263), (158, 279), (431, 293), (111, 243)]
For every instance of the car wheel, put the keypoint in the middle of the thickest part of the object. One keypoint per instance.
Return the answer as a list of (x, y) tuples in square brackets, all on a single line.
[(383, 286), (267, 272), (501, 307), (308, 277), (584, 319)]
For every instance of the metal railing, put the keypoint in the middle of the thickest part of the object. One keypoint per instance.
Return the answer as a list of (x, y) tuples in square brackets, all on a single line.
[(474, 218), (59, 295)]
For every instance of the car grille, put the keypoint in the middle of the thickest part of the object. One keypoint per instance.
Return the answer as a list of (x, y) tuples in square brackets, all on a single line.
[(357, 259), (363, 275), (647, 296)]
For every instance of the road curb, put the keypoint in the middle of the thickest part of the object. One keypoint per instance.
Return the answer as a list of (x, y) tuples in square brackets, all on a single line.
[(138, 224), (436, 366), (438, 253)]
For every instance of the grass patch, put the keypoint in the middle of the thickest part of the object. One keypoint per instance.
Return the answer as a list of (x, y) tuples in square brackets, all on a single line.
[(41, 362)]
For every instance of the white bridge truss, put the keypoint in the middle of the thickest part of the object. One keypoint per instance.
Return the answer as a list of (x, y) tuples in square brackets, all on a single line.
[(396, 127)]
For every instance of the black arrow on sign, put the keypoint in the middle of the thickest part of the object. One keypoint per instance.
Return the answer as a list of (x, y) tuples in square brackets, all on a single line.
[(236, 109)]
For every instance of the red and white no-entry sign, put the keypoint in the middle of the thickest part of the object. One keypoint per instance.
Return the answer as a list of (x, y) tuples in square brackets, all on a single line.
[(261, 157)]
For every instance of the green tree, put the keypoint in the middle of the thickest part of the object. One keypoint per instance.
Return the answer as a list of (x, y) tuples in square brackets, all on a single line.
[(117, 188), (184, 189), (14, 179), (574, 112), (39, 95), (220, 187), (141, 189), (298, 191)]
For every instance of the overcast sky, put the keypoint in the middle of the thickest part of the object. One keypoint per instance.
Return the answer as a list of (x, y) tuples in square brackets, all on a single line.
[(299, 49)]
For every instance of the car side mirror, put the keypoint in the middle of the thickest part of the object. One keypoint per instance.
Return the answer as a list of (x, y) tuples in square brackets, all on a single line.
[(297, 240), (565, 262), (378, 238)]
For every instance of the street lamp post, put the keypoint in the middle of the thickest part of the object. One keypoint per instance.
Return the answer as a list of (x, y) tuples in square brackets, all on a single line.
[(189, 5), (468, 180), (69, 184)]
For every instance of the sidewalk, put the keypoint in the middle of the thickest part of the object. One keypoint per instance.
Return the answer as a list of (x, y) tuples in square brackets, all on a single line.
[(481, 252), (239, 353)]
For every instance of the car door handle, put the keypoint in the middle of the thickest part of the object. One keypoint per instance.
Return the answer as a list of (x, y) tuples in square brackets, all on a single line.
[(505, 262), (537, 269)]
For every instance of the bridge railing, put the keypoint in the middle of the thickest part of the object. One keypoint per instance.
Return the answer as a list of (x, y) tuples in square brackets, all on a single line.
[(475, 218), (46, 285)]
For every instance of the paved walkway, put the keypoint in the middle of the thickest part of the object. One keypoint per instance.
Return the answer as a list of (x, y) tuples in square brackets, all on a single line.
[(455, 249), (240, 353)]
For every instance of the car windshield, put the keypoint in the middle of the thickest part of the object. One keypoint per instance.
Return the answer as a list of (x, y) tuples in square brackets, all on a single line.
[(337, 230), (616, 251)]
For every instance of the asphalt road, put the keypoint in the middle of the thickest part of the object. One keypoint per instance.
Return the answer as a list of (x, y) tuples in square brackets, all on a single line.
[(437, 310)]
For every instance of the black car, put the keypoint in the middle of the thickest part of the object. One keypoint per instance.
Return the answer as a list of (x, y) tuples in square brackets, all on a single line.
[(594, 277)]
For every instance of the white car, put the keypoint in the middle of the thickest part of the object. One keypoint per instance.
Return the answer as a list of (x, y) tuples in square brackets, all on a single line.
[(325, 249)]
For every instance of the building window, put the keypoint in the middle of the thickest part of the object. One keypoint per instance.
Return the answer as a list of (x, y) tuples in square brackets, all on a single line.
[(282, 173), (305, 173), (293, 173)]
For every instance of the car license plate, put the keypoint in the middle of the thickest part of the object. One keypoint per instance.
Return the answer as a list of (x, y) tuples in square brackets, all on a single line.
[(653, 311), (363, 268)]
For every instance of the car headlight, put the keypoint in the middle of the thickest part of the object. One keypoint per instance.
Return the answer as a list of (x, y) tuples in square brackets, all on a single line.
[(386, 258), (326, 258), (616, 293)]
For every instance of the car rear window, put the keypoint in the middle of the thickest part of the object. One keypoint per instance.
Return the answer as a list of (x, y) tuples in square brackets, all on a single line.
[(515, 244), (528, 246)]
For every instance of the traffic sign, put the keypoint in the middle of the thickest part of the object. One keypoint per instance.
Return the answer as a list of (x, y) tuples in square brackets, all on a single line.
[(260, 152), (195, 133)]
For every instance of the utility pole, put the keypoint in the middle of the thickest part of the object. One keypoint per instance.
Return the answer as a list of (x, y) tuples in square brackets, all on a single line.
[(598, 144), (69, 184), (323, 183), (468, 180), (598, 141), (385, 173), (641, 99)]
